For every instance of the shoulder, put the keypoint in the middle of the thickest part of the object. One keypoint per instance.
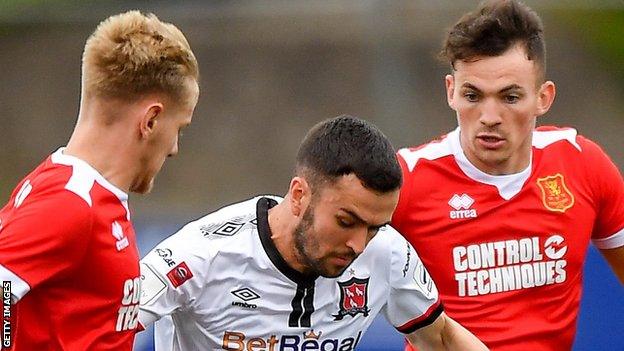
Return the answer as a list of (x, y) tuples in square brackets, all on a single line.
[(566, 142), (227, 230), (387, 241), (433, 150)]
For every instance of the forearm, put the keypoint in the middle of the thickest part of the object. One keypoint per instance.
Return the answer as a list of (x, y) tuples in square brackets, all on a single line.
[(445, 335)]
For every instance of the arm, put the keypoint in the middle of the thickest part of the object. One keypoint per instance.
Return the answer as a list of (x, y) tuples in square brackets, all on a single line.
[(615, 258), (445, 334)]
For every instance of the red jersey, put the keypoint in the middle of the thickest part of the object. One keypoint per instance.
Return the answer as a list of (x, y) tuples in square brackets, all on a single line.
[(506, 252), (68, 249)]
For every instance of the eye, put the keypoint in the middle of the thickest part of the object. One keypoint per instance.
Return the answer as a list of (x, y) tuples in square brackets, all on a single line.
[(344, 223), (511, 99), (471, 96)]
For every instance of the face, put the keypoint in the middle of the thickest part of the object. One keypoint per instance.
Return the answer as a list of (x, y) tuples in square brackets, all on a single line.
[(497, 100), (163, 140), (338, 223)]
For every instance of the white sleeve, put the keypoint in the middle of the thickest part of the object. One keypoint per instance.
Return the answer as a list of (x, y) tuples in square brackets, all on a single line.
[(173, 274), (413, 300)]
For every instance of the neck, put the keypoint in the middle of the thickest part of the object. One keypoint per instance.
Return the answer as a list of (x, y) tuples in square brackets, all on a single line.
[(283, 224), (106, 147)]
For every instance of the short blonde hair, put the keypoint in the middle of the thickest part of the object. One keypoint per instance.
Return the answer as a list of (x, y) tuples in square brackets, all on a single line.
[(132, 54)]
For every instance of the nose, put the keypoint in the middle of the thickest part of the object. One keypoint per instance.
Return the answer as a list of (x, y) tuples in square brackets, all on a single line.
[(490, 113), (357, 242), (174, 149)]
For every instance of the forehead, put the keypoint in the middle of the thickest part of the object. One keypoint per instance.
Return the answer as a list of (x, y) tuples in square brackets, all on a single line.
[(496, 72), (348, 194)]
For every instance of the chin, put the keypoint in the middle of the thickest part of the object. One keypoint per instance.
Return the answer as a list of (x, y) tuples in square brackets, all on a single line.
[(144, 187)]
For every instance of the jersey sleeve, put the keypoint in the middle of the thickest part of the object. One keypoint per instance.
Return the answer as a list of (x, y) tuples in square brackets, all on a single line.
[(173, 274), (43, 236), (608, 191), (413, 300)]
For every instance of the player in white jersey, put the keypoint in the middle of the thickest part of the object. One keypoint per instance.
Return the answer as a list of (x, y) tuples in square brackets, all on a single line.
[(293, 273)]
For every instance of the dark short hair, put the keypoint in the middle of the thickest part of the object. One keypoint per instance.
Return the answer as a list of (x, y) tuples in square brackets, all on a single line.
[(345, 145), (492, 29)]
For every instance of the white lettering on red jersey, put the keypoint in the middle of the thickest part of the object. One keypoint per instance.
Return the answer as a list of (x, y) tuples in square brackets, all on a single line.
[(220, 284), (68, 248), (507, 251)]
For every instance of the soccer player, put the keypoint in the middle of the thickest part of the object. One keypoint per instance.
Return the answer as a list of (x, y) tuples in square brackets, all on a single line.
[(501, 212), (67, 245), (307, 272)]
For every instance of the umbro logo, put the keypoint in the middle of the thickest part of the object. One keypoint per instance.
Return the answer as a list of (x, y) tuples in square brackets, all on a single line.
[(246, 295), (461, 207)]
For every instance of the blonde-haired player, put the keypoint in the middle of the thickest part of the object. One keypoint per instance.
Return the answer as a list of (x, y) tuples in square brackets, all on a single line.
[(67, 246)]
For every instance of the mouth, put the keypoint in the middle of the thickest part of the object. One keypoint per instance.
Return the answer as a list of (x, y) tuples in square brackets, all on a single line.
[(490, 141), (342, 260)]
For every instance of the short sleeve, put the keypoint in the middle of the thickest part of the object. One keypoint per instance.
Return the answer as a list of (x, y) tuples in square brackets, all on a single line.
[(43, 238), (413, 300), (172, 275), (608, 190)]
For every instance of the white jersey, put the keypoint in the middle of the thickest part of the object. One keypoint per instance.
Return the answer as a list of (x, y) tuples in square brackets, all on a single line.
[(225, 286)]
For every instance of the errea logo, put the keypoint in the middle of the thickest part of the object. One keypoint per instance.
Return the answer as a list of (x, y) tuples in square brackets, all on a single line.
[(122, 240), (461, 207)]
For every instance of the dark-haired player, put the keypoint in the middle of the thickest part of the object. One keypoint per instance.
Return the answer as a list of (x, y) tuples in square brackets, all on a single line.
[(306, 272), (501, 212)]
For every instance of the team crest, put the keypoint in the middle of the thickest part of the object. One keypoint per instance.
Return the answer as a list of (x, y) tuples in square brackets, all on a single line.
[(353, 298), (555, 194)]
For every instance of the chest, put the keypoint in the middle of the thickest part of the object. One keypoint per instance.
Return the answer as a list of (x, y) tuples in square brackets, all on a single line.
[(327, 314)]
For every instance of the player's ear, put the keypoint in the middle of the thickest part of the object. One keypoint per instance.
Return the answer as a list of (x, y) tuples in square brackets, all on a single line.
[(150, 116), (545, 98), (449, 80), (300, 194)]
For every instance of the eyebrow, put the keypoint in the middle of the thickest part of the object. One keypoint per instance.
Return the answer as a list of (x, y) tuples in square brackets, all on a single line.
[(359, 219), (504, 90)]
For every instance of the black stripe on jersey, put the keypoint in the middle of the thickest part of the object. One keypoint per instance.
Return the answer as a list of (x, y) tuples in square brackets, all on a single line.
[(262, 212), (302, 307), (422, 321), (297, 308), (308, 307)]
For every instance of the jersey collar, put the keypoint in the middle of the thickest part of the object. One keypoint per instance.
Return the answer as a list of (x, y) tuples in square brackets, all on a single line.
[(508, 185), (262, 212)]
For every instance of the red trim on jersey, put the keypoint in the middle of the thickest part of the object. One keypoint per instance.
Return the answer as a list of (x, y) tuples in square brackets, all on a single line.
[(423, 320)]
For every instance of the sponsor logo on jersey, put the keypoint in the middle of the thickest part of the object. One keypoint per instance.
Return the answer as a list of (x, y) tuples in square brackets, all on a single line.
[(555, 194), (246, 295), (122, 240), (128, 314), (508, 265), (461, 207), (423, 280), (238, 341), (166, 254), (179, 274), (353, 298)]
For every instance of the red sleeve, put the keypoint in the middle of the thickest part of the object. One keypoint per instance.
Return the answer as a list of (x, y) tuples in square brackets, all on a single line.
[(45, 236), (401, 211), (608, 190)]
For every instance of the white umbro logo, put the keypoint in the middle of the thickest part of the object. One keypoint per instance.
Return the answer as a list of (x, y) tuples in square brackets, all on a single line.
[(122, 241), (461, 205)]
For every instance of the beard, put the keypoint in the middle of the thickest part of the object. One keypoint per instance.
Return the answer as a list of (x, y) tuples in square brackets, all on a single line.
[(307, 243)]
